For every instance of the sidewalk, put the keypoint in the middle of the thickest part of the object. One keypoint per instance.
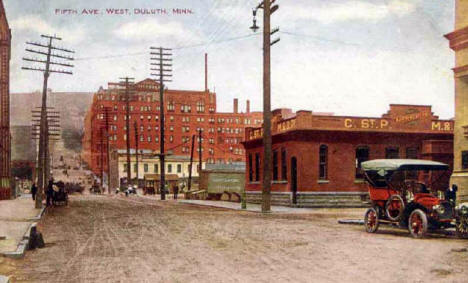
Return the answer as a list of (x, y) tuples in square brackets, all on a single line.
[(250, 206), (16, 217)]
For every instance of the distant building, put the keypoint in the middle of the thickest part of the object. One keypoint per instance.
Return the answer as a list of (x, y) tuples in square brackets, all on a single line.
[(459, 43), (23, 152), (186, 112), (317, 158), (5, 151), (148, 164)]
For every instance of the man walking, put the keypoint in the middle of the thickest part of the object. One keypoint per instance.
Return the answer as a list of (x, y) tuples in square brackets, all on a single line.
[(50, 192), (176, 190), (33, 191)]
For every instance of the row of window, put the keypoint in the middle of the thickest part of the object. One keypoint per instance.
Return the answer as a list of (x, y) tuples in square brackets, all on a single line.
[(361, 155), (279, 166), (169, 168)]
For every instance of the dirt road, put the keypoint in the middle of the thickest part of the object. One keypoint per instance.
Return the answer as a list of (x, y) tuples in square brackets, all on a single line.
[(118, 239)]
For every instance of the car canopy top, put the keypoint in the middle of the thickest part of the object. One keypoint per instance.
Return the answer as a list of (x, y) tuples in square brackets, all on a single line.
[(383, 166)]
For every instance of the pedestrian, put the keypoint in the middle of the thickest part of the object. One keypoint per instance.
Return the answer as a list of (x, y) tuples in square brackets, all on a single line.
[(50, 192), (176, 190), (33, 191)]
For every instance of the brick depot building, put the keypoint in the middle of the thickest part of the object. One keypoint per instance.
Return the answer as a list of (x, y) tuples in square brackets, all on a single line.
[(186, 112), (317, 157)]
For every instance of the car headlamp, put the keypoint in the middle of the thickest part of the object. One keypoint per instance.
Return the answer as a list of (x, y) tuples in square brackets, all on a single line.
[(464, 209), (440, 209)]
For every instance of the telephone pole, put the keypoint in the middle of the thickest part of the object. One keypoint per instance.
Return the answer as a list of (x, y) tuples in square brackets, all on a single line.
[(163, 71), (106, 117), (43, 159), (101, 131), (268, 9), (127, 82), (199, 152), (191, 162), (135, 126)]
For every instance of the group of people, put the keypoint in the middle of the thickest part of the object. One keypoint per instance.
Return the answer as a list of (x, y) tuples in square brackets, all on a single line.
[(49, 190)]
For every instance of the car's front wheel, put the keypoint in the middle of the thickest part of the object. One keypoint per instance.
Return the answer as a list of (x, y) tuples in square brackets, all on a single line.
[(371, 220), (417, 224)]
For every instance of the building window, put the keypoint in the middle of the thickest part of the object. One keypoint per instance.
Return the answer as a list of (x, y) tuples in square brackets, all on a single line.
[(464, 159), (145, 167), (362, 154), (250, 168), (284, 168), (170, 106), (125, 167), (392, 153), (200, 106), (323, 160), (275, 165), (411, 153), (155, 168), (179, 168), (169, 168), (257, 167)]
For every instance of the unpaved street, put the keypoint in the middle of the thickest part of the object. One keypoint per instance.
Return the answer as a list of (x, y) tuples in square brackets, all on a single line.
[(118, 239)]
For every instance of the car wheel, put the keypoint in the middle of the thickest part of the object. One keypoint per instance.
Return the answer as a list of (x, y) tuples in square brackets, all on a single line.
[(394, 207), (417, 224), (371, 220), (462, 227)]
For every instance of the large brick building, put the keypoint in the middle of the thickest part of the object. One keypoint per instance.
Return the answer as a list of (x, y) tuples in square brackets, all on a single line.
[(317, 157), (185, 113), (5, 139)]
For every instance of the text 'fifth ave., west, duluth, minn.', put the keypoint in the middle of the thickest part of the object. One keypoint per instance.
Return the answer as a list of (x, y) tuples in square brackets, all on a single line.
[(125, 11)]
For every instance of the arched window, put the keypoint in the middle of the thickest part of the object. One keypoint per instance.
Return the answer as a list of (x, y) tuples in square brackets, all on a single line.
[(323, 162), (362, 154), (411, 153), (275, 165), (392, 152)]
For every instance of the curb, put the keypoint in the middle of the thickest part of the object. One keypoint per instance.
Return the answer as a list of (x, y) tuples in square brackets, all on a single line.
[(24, 243), (351, 221), (39, 216)]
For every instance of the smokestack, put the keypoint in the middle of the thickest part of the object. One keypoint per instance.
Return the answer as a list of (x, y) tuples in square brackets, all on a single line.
[(206, 71), (247, 106), (236, 105)]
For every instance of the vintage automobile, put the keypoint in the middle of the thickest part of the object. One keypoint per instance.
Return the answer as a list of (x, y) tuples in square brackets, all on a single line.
[(400, 198)]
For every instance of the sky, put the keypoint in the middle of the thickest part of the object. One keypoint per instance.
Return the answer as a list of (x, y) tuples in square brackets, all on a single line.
[(349, 57)]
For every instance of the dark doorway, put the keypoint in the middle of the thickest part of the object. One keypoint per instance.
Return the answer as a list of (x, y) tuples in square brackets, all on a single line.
[(294, 179)]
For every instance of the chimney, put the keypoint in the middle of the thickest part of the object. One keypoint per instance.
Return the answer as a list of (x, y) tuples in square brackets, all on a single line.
[(247, 110), (206, 71), (236, 105)]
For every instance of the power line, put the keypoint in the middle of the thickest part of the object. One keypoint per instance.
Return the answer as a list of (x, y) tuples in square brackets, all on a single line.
[(175, 48)]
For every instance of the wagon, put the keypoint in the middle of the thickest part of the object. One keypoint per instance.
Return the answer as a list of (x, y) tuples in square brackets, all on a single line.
[(60, 194), (413, 194)]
